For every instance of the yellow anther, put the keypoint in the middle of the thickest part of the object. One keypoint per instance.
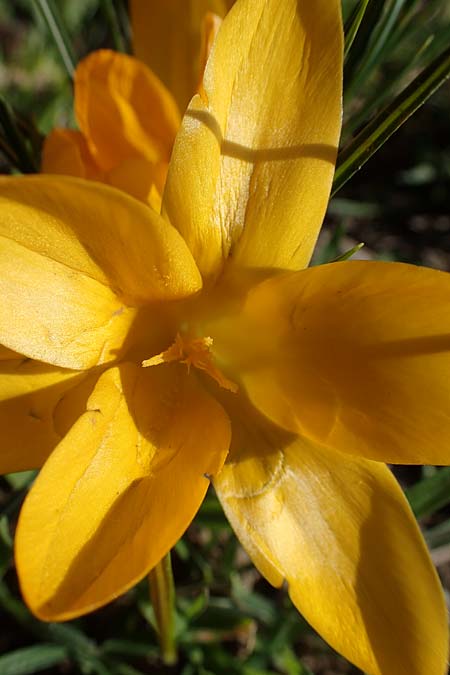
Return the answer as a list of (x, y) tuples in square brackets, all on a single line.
[(193, 352)]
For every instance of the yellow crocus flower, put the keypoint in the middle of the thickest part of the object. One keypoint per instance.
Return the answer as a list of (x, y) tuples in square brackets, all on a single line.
[(154, 353), (129, 109)]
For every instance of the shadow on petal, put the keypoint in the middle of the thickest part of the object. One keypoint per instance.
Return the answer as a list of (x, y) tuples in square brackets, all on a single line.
[(399, 593), (252, 155), (30, 392)]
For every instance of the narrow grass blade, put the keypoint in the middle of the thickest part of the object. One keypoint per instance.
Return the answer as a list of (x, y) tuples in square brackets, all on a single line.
[(8, 151), (410, 26), (439, 535), (52, 17), (111, 17), (31, 659), (12, 141), (124, 22), (361, 41), (353, 24), (350, 253), (377, 132), (430, 494), (376, 49), (391, 86)]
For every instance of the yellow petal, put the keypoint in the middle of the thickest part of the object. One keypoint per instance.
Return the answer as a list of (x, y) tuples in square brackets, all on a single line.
[(119, 490), (340, 531), (210, 27), (72, 404), (123, 110), (29, 394), (53, 313), (65, 152), (141, 179), (69, 249), (8, 354), (167, 37), (256, 152), (355, 355), (101, 232)]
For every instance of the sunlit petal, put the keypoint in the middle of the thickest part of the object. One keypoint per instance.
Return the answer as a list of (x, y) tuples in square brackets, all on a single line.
[(119, 490), (54, 313), (355, 355), (256, 151), (340, 531), (73, 255), (210, 27)]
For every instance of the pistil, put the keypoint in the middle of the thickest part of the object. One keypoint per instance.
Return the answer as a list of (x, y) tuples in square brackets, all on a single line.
[(195, 352)]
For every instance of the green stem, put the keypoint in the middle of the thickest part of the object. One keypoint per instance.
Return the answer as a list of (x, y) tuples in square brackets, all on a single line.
[(162, 592)]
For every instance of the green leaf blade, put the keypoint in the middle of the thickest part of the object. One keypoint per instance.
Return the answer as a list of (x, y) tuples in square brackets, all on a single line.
[(58, 31), (353, 25), (377, 132), (32, 659), (430, 494)]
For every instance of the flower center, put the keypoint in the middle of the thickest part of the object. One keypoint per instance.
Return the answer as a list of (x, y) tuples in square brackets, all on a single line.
[(193, 352)]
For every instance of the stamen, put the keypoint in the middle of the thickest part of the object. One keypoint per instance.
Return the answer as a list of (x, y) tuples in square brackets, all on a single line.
[(193, 352)]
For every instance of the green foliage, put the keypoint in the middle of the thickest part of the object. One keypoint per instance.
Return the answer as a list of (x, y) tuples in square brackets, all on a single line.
[(56, 26), (370, 139), (31, 659), (430, 494)]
